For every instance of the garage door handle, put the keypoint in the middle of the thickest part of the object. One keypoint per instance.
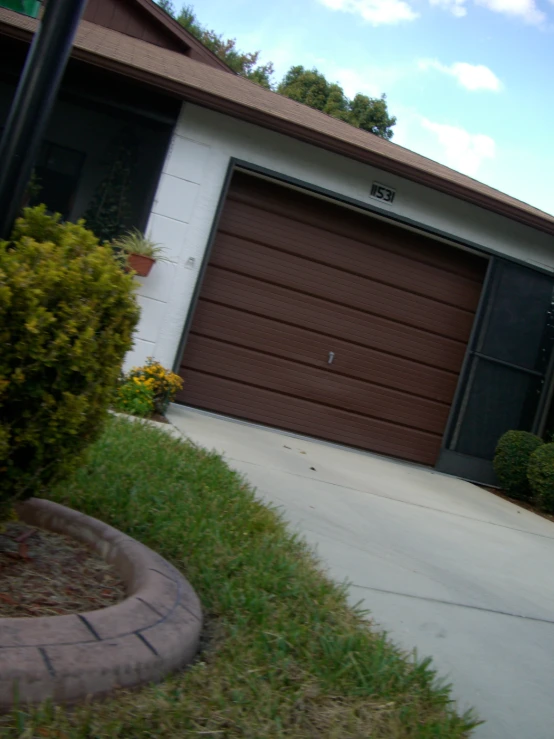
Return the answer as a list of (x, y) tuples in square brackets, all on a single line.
[(331, 357)]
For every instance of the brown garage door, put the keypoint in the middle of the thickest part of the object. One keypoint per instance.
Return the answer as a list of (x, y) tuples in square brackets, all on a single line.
[(293, 282)]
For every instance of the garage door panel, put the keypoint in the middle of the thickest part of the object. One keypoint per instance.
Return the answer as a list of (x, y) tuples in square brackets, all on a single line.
[(335, 219), (365, 259), (298, 344), (292, 278), (304, 417), (314, 314), (328, 283), (320, 385)]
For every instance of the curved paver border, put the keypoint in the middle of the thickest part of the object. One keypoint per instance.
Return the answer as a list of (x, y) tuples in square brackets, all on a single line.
[(154, 631)]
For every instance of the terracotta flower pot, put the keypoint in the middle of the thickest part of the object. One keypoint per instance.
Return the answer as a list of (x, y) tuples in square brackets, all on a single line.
[(141, 264)]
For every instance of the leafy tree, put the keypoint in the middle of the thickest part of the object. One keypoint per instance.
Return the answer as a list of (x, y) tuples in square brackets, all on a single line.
[(307, 86), (372, 115), (310, 87), (168, 6), (244, 63), (187, 18)]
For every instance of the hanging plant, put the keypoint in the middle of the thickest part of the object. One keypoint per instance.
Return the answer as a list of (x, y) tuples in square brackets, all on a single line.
[(140, 251)]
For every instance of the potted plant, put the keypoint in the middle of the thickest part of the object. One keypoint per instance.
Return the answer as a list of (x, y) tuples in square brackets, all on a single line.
[(140, 251)]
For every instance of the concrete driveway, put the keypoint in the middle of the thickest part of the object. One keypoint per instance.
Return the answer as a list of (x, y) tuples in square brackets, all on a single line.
[(444, 567)]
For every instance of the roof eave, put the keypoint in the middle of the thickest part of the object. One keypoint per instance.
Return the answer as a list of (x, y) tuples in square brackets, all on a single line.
[(321, 140), (303, 133), (182, 34)]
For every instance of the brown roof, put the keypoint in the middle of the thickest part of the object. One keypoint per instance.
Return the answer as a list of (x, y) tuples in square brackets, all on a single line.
[(199, 51), (238, 97)]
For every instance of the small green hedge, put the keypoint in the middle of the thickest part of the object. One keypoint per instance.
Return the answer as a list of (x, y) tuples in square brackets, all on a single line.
[(67, 314), (541, 477), (511, 461)]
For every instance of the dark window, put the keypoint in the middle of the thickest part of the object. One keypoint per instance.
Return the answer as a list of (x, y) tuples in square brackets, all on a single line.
[(58, 170), (57, 173)]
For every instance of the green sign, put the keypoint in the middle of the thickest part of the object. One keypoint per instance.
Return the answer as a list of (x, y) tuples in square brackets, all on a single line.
[(27, 7)]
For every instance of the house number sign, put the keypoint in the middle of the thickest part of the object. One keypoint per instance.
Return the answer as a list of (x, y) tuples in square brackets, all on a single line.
[(382, 193)]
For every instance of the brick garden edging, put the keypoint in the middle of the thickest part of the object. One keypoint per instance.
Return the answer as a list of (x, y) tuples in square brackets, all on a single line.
[(154, 631)]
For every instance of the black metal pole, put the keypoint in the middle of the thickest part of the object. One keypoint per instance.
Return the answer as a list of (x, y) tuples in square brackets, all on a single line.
[(35, 96)]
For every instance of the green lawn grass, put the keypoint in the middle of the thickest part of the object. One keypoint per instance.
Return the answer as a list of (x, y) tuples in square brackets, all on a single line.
[(284, 655)]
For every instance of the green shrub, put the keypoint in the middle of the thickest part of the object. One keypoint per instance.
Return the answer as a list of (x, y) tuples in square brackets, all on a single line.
[(146, 390), (541, 477), (135, 398), (511, 460), (67, 314), (164, 383)]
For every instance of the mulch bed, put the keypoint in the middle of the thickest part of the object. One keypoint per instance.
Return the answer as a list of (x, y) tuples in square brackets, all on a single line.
[(46, 574)]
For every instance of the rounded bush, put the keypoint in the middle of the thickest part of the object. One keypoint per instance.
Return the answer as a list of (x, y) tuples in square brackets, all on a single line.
[(67, 315), (541, 477), (511, 460)]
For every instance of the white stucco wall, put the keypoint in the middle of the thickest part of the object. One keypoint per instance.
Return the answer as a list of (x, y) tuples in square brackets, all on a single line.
[(189, 190)]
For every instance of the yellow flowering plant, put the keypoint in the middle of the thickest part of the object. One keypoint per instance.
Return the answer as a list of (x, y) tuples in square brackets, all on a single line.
[(151, 381), (134, 397)]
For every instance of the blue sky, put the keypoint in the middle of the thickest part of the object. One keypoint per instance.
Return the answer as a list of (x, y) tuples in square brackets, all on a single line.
[(470, 81)]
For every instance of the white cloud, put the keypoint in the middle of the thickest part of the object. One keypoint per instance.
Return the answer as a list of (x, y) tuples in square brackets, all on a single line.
[(471, 76), (376, 12), (527, 10), (460, 149), (519, 169), (456, 7), (381, 12)]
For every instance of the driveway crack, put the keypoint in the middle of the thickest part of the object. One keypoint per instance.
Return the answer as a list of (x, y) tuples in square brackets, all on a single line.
[(395, 500), (454, 604)]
